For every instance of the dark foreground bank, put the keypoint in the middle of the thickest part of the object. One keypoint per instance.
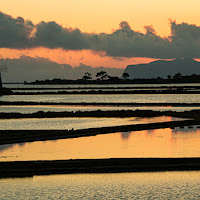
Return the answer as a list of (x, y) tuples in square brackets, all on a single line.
[(113, 165), (21, 136), (110, 92), (26, 103), (194, 114)]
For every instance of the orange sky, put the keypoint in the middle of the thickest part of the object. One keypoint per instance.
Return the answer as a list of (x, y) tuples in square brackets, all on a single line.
[(99, 16), (105, 15), (74, 58)]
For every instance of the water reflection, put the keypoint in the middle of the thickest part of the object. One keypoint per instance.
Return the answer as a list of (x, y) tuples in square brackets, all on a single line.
[(125, 135), (186, 129), (62, 108), (7, 146), (3, 147), (75, 123), (157, 185), (102, 85), (112, 98), (154, 143)]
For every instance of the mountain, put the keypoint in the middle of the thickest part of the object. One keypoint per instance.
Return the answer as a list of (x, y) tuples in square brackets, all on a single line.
[(30, 69), (162, 68)]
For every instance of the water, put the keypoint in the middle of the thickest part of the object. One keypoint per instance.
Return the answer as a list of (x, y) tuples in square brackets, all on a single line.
[(99, 85), (157, 185), (115, 98), (75, 123), (157, 143), (81, 90), (152, 143), (62, 108)]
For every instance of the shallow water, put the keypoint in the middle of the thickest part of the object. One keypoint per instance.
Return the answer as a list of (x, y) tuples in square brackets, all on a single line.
[(75, 123), (99, 85), (152, 143), (81, 90), (57, 108), (111, 98), (157, 185)]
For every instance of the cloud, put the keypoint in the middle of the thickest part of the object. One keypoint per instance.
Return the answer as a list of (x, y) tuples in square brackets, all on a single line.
[(184, 40), (14, 33), (125, 42), (52, 35)]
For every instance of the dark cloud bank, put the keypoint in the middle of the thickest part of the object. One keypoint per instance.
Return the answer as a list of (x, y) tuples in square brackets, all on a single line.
[(184, 40)]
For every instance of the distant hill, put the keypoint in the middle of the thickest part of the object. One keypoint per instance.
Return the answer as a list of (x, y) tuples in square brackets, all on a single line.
[(162, 68), (30, 69)]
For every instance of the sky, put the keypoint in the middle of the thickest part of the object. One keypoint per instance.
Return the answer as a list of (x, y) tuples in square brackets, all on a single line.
[(95, 17)]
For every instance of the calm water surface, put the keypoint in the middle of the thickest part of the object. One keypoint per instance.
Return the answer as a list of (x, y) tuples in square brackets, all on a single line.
[(115, 98), (75, 123), (101, 85), (152, 143), (159, 185), (82, 90), (57, 108)]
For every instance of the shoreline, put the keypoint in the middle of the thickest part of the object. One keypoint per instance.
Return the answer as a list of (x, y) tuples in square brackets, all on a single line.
[(97, 113), (22, 136), (104, 87), (24, 103), (109, 92), (194, 114), (189, 118), (110, 165)]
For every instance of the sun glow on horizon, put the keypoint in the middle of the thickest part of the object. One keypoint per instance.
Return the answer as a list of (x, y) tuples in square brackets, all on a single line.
[(74, 58)]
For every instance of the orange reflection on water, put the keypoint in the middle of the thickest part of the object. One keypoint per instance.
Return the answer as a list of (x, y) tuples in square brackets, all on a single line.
[(156, 143)]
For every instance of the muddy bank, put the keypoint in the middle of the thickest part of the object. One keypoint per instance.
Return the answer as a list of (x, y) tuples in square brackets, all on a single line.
[(5, 91), (112, 92), (109, 87), (113, 165), (25, 103), (21, 136), (98, 113)]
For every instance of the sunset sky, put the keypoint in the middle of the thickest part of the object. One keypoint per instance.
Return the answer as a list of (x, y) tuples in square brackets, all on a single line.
[(104, 17)]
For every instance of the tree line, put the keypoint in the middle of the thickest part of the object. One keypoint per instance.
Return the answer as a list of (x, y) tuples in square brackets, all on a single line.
[(103, 78), (102, 75)]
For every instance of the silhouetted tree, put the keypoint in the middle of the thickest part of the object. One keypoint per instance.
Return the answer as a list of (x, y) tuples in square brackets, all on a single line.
[(125, 76), (87, 76), (169, 76), (177, 76), (194, 75), (102, 75)]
